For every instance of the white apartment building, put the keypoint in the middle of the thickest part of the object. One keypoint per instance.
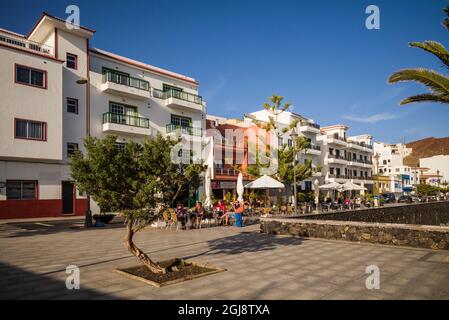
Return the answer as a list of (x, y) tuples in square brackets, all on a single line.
[(346, 158), (306, 128), (56, 90), (389, 161)]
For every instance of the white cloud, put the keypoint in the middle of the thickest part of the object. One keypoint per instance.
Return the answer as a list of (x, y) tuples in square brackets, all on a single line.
[(374, 118)]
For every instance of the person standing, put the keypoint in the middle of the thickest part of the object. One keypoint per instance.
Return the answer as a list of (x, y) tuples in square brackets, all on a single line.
[(238, 209)]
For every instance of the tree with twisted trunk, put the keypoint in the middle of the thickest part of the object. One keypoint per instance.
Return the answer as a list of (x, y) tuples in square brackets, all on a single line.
[(140, 181)]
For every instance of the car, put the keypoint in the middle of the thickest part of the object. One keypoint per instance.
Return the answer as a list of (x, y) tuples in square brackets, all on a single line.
[(389, 197), (405, 199)]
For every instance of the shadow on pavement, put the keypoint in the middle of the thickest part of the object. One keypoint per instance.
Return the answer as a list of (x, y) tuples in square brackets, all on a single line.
[(247, 242), (25, 229), (18, 283)]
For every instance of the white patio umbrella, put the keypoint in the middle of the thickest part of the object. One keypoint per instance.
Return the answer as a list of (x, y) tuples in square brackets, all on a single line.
[(349, 186), (207, 188), (265, 182), (331, 186), (240, 187)]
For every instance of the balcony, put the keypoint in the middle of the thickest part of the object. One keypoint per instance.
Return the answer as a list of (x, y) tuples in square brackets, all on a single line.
[(360, 146), (309, 127), (180, 99), (341, 141), (125, 124), (183, 130), (22, 43), (360, 163), (230, 172), (124, 85), (313, 149), (341, 178), (339, 159)]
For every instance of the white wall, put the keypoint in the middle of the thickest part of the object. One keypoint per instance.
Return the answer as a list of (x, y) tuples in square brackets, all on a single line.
[(30, 103), (440, 162)]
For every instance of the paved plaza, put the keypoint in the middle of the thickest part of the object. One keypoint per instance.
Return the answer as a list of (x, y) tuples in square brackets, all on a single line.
[(34, 255)]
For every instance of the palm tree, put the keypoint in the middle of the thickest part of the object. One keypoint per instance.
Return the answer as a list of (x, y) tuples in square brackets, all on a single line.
[(437, 83)]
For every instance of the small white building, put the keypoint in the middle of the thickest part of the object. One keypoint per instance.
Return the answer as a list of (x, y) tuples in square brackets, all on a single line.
[(437, 164)]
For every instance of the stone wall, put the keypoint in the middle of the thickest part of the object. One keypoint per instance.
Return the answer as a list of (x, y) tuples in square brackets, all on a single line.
[(432, 237), (431, 213)]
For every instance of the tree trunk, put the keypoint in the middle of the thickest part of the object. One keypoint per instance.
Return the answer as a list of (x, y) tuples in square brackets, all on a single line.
[(139, 254)]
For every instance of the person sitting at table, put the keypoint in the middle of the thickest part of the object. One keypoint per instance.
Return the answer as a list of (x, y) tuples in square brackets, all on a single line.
[(220, 210), (197, 215), (347, 203), (181, 213)]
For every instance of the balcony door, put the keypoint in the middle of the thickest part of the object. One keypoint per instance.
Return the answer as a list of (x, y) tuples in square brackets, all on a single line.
[(123, 114)]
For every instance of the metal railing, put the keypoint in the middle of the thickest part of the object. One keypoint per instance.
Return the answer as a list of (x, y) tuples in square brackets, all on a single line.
[(177, 94), (314, 147), (361, 144), (335, 156), (119, 78), (226, 172), (192, 131), (127, 120), (310, 124), (18, 41)]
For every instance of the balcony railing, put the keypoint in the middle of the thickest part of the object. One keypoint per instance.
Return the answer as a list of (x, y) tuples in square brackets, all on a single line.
[(337, 176), (226, 172), (119, 78), (127, 120), (361, 161), (198, 132), (361, 144), (20, 42), (337, 156), (177, 94), (314, 147), (310, 124)]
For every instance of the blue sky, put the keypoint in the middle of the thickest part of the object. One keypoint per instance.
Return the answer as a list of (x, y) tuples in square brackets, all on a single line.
[(317, 54)]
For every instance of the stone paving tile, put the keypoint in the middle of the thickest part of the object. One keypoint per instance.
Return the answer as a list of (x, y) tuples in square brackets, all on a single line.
[(259, 266)]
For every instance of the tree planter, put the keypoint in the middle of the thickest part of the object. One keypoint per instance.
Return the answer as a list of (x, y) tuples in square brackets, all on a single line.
[(187, 271)]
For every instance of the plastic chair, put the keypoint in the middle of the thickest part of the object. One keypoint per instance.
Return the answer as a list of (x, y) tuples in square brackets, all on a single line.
[(174, 219), (166, 219)]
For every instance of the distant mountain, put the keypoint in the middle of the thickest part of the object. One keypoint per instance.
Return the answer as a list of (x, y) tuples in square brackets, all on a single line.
[(425, 148)]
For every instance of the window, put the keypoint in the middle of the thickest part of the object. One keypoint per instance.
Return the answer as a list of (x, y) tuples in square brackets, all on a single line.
[(280, 141), (31, 77), (72, 61), (72, 105), (21, 190), (121, 146), (123, 114), (34, 130), (331, 170), (290, 143), (71, 149), (331, 151), (181, 121)]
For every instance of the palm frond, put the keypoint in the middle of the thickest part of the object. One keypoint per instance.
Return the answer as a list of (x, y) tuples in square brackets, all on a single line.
[(436, 48), (446, 20), (425, 98), (434, 81)]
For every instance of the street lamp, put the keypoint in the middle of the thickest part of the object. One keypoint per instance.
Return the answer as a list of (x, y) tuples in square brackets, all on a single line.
[(86, 81), (294, 136)]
